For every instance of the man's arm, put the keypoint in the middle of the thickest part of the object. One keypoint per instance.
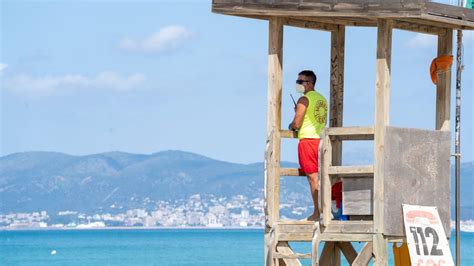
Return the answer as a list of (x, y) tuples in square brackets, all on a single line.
[(300, 110)]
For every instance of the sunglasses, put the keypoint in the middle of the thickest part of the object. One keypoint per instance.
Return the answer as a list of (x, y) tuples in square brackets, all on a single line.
[(300, 81)]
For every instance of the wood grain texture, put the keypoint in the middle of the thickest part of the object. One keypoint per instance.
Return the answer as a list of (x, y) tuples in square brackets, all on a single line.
[(348, 250), (382, 108), (443, 88), (364, 255), (352, 13), (272, 151), (336, 88)]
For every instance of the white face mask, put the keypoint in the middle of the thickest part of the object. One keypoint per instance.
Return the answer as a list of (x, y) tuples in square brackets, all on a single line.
[(299, 88)]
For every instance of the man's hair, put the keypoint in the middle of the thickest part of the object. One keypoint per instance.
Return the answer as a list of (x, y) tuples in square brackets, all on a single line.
[(310, 74)]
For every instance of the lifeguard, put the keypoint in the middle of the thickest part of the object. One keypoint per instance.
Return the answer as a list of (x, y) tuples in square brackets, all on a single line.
[(310, 119)]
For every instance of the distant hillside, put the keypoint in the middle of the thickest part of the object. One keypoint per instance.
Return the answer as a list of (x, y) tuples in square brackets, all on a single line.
[(49, 181), (34, 181)]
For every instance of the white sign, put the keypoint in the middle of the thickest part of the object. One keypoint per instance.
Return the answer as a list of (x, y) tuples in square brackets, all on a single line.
[(426, 238)]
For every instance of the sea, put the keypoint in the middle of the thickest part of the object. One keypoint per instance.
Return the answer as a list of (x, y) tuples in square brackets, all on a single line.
[(154, 247)]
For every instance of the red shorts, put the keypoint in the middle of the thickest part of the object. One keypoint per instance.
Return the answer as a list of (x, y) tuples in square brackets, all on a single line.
[(308, 155)]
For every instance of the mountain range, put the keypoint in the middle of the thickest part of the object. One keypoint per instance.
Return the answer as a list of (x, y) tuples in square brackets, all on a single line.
[(51, 181)]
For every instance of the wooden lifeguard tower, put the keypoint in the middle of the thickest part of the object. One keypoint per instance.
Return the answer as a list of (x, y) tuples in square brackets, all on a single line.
[(413, 159)]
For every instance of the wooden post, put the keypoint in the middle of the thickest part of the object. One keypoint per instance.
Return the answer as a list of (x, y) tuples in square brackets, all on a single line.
[(443, 88), (326, 156), (382, 107), (272, 152), (337, 88)]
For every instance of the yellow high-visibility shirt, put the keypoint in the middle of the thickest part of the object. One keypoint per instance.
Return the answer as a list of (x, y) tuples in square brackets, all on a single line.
[(315, 116)]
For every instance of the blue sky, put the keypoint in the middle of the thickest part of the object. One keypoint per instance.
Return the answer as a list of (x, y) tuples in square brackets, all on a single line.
[(143, 77)]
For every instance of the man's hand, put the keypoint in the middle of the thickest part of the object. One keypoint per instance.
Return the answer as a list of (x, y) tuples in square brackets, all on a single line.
[(290, 127)]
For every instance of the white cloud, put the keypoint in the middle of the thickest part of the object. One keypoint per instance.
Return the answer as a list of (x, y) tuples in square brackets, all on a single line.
[(423, 40), (26, 84), (167, 38), (2, 67)]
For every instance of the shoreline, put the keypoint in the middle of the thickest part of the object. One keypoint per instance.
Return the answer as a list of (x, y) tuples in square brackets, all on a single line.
[(131, 228)]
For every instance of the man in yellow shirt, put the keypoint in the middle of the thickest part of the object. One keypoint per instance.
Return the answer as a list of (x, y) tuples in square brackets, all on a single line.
[(310, 119)]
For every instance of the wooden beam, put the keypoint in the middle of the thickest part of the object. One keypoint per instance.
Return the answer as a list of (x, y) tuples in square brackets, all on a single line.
[(348, 250), (327, 253), (349, 131), (336, 258), (347, 21), (352, 171), (336, 86), (291, 172), (289, 134), (443, 88), (272, 151), (294, 22), (445, 22), (364, 255), (295, 230), (349, 227), (451, 11), (383, 9), (416, 27), (340, 133), (287, 256), (382, 107), (325, 157), (359, 237)]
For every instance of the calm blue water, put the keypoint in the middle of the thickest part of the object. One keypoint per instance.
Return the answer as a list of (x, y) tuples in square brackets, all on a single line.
[(148, 247)]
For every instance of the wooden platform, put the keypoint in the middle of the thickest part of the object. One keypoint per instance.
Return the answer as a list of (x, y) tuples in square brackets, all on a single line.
[(414, 15)]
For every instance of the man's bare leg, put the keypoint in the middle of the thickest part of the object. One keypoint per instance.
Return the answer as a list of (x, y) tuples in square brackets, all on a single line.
[(313, 184)]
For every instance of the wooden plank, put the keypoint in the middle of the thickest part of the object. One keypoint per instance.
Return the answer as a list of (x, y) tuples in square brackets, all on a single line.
[(455, 12), (443, 88), (289, 258), (294, 222), (295, 230), (414, 178), (326, 156), (348, 227), (272, 151), (336, 259), (348, 250), (382, 101), (416, 27), (445, 22), (320, 8), (296, 236), (270, 247), (364, 255), (274, 113), (289, 134), (351, 133), (357, 196), (337, 237), (347, 21), (382, 108), (352, 171), (433, 21), (292, 257), (351, 13), (336, 86), (291, 172), (305, 24), (326, 254), (380, 249)]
